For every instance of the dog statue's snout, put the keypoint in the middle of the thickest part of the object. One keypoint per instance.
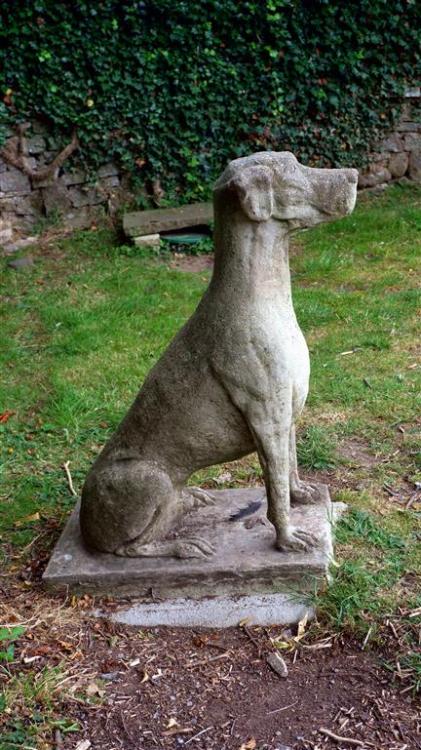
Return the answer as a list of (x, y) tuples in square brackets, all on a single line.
[(275, 185)]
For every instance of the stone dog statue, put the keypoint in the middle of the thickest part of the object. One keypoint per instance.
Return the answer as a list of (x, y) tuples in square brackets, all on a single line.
[(233, 380)]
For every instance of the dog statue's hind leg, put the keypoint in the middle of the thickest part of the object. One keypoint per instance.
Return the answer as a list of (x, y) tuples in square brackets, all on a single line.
[(139, 500)]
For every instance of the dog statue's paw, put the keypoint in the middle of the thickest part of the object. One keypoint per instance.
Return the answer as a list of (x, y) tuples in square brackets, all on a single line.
[(193, 547), (304, 493), (181, 548), (197, 498), (293, 539)]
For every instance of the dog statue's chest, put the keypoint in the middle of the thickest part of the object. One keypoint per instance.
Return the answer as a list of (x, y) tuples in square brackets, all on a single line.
[(287, 351), (291, 343)]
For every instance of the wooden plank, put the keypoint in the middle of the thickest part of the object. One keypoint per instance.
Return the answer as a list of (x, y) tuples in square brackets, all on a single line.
[(137, 223)]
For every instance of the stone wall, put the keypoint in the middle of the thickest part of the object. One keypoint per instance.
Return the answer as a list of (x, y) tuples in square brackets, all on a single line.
[(75, 201), (399, 155)]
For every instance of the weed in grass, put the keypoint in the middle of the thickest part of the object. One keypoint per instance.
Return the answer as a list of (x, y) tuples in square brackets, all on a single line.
[(361, 526), (361, 590), (407, 669), (146, 252), (20, 734), (45, 223), (315, 449), (35, 698), (8, 636), (204, 247), (350, 595)]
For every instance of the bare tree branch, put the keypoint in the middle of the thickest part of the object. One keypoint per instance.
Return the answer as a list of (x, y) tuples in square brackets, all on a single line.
[(15, 152)]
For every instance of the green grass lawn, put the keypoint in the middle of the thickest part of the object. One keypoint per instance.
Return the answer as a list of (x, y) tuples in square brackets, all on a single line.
[(82, 328)]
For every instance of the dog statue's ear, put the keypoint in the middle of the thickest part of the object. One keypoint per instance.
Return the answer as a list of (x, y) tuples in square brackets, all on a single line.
[(254, 189)]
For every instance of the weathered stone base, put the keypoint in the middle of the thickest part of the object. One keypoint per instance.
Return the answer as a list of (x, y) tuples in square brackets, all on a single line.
[(214, 612), (247, 576)]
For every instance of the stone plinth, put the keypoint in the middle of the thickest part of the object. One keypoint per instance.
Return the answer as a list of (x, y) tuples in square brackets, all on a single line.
[(245, 562)]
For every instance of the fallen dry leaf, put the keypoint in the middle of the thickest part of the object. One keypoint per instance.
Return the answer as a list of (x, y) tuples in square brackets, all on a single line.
[(283, 645), (94, 689), (302, 626), (249, 745), (5, 416), (83, 745), (27, 519)]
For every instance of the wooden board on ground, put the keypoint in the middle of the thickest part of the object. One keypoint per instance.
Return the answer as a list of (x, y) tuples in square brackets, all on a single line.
[(137, 223)]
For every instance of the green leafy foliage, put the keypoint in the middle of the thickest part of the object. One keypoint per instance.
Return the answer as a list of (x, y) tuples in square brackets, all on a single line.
[(7, 638), (174, 89)]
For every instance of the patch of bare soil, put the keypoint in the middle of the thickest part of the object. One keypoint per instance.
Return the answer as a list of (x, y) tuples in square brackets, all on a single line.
[(362, 462), (358, 454), (132, 689), (216, 691), (192, 263)]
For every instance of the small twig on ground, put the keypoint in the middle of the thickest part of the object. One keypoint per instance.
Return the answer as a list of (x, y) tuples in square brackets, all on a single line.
[(28, 546), (349, 351), (366, 639), (393, 629), (254, 640), (284, 708), (412, 499), (198, 735), (390, 491), (69, 478), (211, 658), (348, 740), (414, 613)]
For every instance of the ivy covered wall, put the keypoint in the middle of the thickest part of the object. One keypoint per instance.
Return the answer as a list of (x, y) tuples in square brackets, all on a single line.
[(170, 90)]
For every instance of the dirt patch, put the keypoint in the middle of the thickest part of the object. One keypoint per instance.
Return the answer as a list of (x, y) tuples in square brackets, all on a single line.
[(223, 695), (213, 690), (192, 263), (359, 473), (358, 454)]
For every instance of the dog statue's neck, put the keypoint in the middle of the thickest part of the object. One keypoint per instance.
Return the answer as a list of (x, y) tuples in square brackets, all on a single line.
[(251, 258)]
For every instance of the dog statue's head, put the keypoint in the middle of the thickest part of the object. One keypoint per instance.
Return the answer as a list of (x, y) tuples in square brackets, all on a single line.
[(275, 185)]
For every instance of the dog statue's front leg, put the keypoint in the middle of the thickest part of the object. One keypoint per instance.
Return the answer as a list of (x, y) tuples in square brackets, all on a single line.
[(268, 416), (302, 493), (272, 441)]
